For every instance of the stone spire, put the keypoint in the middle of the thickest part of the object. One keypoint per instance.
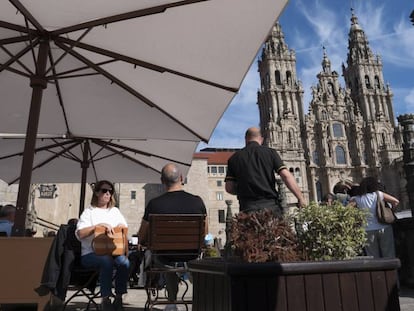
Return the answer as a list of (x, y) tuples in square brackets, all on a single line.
[(326, 63)]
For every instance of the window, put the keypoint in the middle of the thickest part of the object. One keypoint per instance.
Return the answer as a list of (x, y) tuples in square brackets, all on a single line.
[(377, 82), (219, 183), (289, 77), (221, 216), (316, 157), (219, 196), (384, 138), (297, 175), (367, 83), (277, 77), (340, 155), (213, 170), (337, 130), (319, 191), (365, 157), (221, 169), (330, 88), (290, 136), (133, 195)]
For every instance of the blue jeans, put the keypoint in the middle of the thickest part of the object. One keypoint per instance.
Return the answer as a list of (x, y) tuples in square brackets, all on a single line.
[(105, 265)]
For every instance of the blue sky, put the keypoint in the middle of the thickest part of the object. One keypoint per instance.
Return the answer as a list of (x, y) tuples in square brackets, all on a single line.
[(310, 24)]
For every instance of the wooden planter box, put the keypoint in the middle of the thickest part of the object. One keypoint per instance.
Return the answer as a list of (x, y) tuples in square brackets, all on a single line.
[(351, 285)]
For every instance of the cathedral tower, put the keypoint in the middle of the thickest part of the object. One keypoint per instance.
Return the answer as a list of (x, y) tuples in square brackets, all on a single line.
[(280, 102), (381, 143)]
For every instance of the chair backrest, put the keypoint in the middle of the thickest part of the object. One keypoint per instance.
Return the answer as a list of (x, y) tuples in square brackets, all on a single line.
[(173, 232)]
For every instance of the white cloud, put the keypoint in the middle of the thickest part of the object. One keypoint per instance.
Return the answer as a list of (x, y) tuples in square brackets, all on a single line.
[(409, 99)]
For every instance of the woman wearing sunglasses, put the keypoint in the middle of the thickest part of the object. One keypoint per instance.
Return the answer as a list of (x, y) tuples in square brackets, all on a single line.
[(102, 212)]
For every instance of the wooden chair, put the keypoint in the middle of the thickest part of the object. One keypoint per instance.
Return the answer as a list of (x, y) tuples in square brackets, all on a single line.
[(172, 236)]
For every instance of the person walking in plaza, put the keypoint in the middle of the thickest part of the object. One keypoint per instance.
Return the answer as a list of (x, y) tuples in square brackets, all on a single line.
[(174, 201), (103, 212), (251, 176), (7, 215), (380, 238)]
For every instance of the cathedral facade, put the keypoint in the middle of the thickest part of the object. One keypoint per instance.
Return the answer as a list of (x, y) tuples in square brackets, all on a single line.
[(349, 131)]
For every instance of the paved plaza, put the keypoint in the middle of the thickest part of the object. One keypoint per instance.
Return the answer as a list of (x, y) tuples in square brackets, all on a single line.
[(135, 300)]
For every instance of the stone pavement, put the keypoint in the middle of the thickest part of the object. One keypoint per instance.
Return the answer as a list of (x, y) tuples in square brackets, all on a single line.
[(135, 300)]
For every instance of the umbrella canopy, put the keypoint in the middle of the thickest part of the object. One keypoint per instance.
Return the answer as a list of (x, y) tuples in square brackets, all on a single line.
[(63, 160), (149, 69), (59, 160)]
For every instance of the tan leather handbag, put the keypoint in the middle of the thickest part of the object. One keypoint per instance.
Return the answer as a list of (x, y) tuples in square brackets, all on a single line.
[(106, 244)]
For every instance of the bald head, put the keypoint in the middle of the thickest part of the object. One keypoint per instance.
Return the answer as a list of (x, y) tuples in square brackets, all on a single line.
[(171, 175), (253, 134)]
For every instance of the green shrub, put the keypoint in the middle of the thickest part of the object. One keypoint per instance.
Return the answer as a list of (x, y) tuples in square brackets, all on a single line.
[(331, 232)]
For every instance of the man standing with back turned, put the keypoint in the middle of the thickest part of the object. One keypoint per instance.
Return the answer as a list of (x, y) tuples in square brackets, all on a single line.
[(251, 176)]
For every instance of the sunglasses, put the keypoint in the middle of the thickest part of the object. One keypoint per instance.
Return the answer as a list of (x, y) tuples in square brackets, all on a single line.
[(103, 191)]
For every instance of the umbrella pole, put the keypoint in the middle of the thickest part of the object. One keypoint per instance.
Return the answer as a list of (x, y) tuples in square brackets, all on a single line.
[(38, 84), (85, 166)]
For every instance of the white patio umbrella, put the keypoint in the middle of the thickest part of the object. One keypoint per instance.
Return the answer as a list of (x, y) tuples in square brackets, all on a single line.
[(148, 69)]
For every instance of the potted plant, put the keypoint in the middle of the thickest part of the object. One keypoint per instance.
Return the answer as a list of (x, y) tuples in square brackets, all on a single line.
[(307, 262)]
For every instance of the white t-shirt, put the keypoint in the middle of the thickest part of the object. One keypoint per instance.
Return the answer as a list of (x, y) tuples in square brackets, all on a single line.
[(93, 216), (369, 201)]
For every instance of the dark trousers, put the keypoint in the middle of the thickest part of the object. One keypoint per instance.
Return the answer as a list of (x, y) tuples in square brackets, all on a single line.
[(248, 206)]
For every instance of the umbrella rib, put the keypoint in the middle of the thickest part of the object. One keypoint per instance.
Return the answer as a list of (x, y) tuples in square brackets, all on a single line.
[(18, 28), (125, 87), (27, 14), (62, 74), (73, 76), (14, 40), (125, 148), (54, 156), (94, 170), (30, 39), (128, 157), (39, 149), (143, 64), (18, 55), (18, 72), (74, 45), (59, 93), (123, 16), (18, 61)]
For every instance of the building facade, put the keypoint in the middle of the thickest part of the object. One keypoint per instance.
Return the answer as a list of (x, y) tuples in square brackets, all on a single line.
[(349, 131)]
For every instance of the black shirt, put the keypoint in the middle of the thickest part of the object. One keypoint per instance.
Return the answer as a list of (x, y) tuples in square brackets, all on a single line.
[(253, 169), (175, 202)]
